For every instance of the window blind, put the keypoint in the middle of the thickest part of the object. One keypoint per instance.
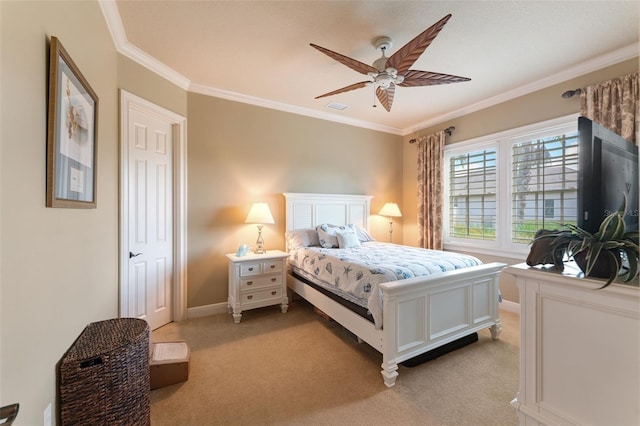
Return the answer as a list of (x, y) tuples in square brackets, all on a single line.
[(544, 185), (472, 196)]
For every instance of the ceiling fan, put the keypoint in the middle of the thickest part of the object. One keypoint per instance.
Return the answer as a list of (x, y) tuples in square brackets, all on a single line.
[(387, 73)]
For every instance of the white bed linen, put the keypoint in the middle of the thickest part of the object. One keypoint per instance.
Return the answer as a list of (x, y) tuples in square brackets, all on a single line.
[(358, 271)]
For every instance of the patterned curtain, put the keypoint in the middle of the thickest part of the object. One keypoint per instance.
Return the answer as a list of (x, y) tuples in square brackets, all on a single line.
[(430, 185), (615, 105)]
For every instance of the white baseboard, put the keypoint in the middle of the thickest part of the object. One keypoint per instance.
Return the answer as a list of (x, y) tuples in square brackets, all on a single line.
[(510, 306), (206, 310)]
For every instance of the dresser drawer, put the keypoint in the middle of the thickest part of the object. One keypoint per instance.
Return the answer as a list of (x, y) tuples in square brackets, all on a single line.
[(260, 281), (248, 269), (258, 296)]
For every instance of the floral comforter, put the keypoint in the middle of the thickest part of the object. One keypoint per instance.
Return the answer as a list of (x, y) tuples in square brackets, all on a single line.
[(358, 271)]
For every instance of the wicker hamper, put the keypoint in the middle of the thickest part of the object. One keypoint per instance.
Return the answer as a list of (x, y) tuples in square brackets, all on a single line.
[(104, 376)]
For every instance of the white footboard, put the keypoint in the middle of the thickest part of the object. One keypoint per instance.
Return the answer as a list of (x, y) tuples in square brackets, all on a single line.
[(421, 314)]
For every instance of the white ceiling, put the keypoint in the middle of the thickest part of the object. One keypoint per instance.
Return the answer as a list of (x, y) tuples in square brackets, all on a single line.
[(258, 51)]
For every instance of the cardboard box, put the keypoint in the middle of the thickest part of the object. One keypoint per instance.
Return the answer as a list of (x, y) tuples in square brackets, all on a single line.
[(169, 363)]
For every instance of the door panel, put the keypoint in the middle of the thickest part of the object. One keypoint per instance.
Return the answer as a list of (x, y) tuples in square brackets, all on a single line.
[(150, 217)]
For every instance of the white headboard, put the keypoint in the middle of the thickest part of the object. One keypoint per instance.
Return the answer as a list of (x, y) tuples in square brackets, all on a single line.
[(311, 210)]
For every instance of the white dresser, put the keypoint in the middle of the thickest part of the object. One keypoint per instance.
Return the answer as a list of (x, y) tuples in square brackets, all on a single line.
[(579, 349), (257, 280)]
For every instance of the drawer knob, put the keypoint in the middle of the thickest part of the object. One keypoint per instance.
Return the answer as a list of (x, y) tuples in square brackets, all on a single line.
[(274, 279), (273, 266), (250, 296), (273, 293), (250, 269), (249, 282)]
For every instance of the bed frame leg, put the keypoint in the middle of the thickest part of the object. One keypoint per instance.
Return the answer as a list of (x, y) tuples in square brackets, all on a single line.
[(496, 329), (389, 374)]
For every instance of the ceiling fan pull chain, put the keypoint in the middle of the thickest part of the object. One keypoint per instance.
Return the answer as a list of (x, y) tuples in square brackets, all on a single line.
[(374, 95)]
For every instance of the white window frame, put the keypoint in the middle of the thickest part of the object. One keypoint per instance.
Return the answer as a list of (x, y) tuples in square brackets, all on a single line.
[(502, 141)]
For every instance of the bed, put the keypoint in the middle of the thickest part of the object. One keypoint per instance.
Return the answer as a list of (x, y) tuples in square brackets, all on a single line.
[(418, 314)]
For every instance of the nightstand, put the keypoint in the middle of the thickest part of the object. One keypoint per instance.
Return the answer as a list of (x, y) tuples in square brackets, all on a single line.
[(257, 280)]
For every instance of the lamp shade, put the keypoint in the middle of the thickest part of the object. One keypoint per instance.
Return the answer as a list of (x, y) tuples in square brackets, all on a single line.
[(391, 210), (259, 213)]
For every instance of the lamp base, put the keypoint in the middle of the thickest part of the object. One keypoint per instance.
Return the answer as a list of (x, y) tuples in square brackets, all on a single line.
[(260, 242)]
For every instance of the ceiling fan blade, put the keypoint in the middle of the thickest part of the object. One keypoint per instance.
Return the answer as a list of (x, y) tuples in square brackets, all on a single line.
[(386, 96), (426, 78), (346, 89), (345, 60), (410, 52)]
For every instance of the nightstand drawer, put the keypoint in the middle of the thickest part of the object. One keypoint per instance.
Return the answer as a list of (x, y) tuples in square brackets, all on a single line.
[(271, 266), (261, 281), (257, 296), (248, 269)]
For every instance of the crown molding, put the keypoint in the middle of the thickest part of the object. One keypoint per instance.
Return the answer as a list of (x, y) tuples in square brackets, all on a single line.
[(611, 58), (123, 46), (119, 36), (238, 97)]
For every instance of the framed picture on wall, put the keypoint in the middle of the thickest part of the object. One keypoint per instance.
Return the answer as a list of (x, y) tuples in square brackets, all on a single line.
[(72, 134)]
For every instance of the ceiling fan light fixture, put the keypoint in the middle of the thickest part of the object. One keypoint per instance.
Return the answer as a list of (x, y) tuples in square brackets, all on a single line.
[(384, 81)]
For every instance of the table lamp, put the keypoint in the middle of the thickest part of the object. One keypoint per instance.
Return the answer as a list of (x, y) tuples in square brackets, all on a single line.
[(391, 210), (260, 215)]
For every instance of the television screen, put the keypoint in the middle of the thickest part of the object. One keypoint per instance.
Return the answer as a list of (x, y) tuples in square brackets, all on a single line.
[(607, 169)]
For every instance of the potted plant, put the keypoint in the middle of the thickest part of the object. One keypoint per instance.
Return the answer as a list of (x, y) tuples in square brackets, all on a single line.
[(599, 255)]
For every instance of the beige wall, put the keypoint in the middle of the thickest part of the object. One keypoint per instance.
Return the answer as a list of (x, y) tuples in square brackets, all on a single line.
[(138, 80), (59, 267), (239, 154), (535, 107)]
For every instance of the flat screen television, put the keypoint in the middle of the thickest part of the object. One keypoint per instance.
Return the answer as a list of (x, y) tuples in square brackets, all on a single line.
[(607, 169)]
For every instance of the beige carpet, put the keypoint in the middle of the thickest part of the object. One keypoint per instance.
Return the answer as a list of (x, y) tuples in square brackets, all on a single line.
[(299, 369)]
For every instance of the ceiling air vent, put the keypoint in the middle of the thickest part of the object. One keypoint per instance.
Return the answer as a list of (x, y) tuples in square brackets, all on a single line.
[(337, 106)]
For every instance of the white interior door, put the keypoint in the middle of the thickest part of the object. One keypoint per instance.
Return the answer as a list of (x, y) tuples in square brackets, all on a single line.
[(152, 211), (150, 219), (150, 216)]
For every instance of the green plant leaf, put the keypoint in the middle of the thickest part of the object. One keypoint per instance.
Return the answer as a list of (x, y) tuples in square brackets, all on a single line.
[(612, 256), (592, 256)]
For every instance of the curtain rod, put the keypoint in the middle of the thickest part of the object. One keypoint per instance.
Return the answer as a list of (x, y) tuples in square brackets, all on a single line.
[(448, 131), (571, 93)]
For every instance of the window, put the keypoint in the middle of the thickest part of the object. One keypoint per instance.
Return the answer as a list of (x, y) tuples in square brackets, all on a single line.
[(500, 189), (473, 195), (549, 208), (545, 172)]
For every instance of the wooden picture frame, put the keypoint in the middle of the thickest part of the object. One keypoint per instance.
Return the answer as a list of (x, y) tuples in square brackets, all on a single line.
[(72, 134)]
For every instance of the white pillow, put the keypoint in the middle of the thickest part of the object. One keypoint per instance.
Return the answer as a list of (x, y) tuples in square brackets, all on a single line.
[(327, 234), (305, 237), (347, 239), (363, 235)]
